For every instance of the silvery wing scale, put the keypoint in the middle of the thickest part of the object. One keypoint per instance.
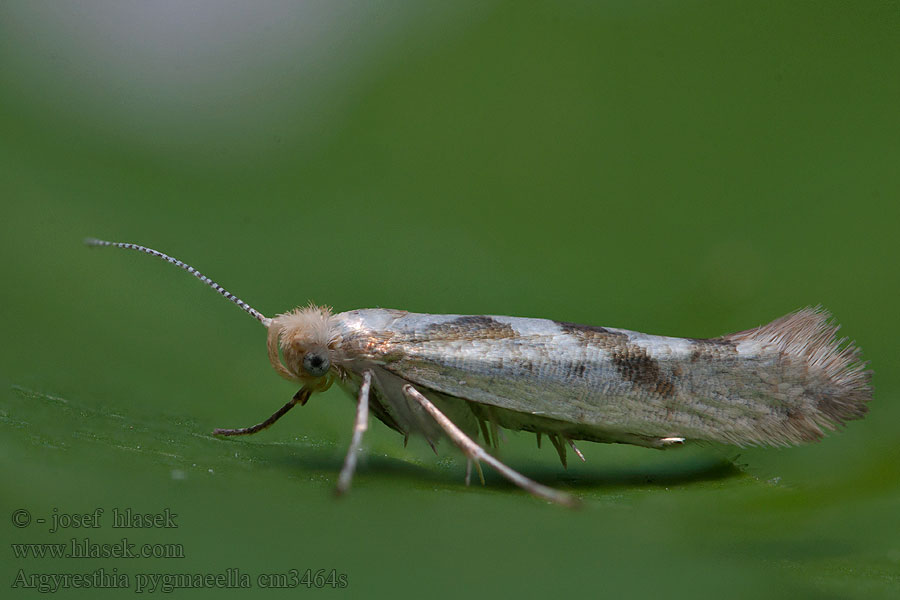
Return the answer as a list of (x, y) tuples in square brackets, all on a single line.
[(464, 377)]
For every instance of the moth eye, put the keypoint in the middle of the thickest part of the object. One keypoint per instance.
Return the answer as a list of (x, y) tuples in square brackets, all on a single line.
[(316, 364)]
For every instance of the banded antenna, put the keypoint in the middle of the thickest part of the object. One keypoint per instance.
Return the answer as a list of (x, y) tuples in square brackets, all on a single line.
[(246, 307)]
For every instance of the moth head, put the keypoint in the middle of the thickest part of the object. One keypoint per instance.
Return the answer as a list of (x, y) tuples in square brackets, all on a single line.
[(305, 339)]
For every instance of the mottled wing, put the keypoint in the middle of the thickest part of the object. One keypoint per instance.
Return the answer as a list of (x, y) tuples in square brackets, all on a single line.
[(554, 375)]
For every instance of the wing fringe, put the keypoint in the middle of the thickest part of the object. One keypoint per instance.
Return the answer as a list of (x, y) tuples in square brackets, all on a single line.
[(810, 336)]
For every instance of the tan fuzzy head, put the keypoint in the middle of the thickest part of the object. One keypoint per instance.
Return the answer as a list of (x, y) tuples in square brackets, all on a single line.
[(306, 338)]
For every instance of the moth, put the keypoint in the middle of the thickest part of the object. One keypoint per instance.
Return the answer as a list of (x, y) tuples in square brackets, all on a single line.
[(462, 377)]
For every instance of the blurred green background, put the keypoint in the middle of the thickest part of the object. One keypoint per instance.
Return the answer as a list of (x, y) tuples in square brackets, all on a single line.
[(681, 168)]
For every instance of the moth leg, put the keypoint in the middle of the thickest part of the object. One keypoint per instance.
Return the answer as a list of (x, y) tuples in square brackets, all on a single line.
[(300, 397), (496, 433), (469, 462), (671, 441), (482, 424), (480, 472), (475, 452), (560, 449), (575, 448), (359, 427)]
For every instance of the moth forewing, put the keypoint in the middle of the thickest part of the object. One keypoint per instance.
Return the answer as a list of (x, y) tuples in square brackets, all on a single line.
[(782, 383), (466, 377)]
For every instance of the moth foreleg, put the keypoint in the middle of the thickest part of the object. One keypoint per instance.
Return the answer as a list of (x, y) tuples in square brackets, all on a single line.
[(300, 397), (475, 452), (359, 427)]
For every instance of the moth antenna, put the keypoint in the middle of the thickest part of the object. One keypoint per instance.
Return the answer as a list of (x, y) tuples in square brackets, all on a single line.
[(246, 307)]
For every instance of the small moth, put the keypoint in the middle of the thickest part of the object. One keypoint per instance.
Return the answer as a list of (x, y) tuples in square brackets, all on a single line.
[(462, 377)]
